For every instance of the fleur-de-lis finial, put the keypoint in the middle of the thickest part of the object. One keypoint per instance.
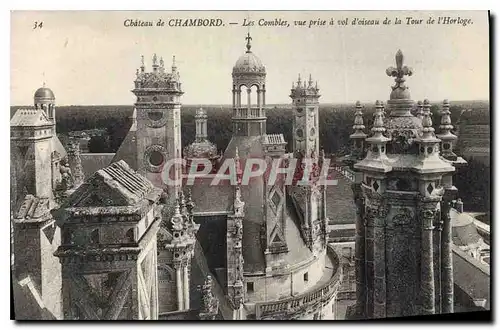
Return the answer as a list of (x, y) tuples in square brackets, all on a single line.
[(399, 71), (248, 39)]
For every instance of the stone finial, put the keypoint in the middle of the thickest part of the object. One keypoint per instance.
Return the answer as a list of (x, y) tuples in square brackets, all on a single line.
[(237, 166), (427, 130), (446, 125), (143, 66), (174, 65), (399, 90), (310, 82), (459, 205), (162, 64), (358, 119), (155, 60), (182, 203), (299, 82), (378, 123), (248, 38), (420, 110)]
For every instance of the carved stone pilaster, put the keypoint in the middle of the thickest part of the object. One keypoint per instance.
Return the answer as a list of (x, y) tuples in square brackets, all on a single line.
[(359, 249), (427, 213), (209, 303), (446, 256)]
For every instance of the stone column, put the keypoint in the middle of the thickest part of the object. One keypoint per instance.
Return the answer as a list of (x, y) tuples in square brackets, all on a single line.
[(185, 284), (178, 282), (359, 256), (234, 97), (446, 259), (249, 100), (238, 98), (258, 99), (427, 214)]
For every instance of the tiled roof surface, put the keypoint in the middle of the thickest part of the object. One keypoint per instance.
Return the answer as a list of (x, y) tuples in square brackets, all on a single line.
[(29, 117)]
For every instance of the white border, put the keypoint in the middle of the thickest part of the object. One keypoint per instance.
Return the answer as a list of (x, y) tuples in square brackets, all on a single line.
[(196, 5)]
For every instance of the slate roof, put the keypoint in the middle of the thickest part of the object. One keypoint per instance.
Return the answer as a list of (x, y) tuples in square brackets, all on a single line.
[(120, 179), (29, 118)]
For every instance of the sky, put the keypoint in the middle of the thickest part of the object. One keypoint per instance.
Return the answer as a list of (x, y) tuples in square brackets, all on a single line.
[(90, 57)]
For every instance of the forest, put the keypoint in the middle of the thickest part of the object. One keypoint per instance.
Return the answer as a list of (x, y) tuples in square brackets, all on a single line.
[(335, 122)]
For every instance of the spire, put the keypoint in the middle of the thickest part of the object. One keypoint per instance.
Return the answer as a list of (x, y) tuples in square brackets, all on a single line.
[(176, 219), (399, 90), (43, 74), (249, 45), (310, 81), (155, 63), (143, 67), (162, 64), (299, 82), (174, 65)]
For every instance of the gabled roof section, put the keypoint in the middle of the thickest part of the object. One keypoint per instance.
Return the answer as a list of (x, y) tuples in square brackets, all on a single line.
[(29, 118), (114, 185)]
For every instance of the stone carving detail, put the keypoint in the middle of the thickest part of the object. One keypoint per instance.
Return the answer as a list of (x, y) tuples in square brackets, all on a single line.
[(152, 122), (209, 303), (403, 217), (402, 141)]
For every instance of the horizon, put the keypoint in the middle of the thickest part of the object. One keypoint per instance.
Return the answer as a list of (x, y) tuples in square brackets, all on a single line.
[(228, 105)]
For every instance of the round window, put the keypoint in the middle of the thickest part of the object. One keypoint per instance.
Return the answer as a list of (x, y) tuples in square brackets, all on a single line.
[(156, 158), (446, 146), (299, 110), (429, 150), (155, 115), (155, 98), (300, 133)]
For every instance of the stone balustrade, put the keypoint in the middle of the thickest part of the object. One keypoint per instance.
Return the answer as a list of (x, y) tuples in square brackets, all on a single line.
[(344, 171), (290, 308)]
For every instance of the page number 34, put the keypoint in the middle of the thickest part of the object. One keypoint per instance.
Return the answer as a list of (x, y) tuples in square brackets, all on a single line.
[(38, 25)]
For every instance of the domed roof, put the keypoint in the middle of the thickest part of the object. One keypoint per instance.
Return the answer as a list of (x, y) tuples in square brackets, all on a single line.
[(464, 231), (205, 149), (44, 93), (248, 62)]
